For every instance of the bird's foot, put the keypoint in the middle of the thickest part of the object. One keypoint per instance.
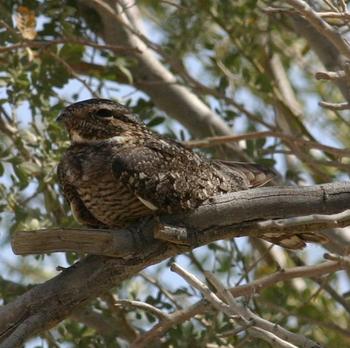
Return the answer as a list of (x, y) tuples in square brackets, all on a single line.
[(139, 235)]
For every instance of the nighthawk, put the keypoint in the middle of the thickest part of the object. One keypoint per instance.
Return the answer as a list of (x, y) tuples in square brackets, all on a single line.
[(117, 171)]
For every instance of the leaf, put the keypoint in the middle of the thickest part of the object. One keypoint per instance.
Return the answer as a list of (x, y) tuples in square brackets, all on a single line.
[(267, 162), (26, 22), (155, 121), (30, 168), (126, 72)]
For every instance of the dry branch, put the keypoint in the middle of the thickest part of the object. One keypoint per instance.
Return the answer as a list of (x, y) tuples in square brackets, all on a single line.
[(272, 210), (309, 144), (248, 290), (320, 25), (46, 44), (226, 216), (335, 106), (224, 301), (330, 75)]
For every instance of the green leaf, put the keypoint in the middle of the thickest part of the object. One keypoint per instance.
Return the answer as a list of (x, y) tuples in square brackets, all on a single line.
[(156, 121)]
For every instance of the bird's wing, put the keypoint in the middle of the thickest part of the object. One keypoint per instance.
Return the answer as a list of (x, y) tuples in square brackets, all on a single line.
[(79, 210), (162, 174), (145, 172)]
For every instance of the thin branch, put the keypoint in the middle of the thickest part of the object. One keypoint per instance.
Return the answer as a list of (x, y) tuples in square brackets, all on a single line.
[(334, 220), (45, 44), (328, 325), (320, 25), (247, 290), (165, 292), (144, 306), (341, 259), (330, 75), (262, 324), (174, 319), (218, 140), (256, 286), (95, 320), (270, 338), (339, 15), (226, 303), (73, 73), (334, 106)]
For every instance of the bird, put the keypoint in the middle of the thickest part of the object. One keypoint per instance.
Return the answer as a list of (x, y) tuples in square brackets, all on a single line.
[(117, 171)]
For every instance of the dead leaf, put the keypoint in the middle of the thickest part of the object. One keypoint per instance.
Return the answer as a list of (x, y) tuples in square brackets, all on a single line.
[(26, 22)]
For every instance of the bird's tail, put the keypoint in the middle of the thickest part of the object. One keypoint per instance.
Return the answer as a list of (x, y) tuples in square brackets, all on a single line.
[(294, 241), (256, 175)]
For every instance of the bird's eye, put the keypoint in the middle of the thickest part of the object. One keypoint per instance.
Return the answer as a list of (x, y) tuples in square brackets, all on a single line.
[(104, 113)]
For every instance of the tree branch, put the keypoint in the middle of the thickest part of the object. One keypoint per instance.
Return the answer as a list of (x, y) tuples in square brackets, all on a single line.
[(323, 27), (226, 216), (248, 290), (263, 211), (225, 302)]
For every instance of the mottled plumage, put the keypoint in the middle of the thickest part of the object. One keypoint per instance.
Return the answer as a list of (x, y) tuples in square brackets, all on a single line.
[(117, 170)]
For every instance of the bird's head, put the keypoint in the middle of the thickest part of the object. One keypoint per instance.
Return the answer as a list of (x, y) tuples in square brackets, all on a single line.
[(94, 120)]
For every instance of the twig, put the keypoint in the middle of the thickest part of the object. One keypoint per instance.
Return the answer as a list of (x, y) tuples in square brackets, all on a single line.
[(339, 15), (144, 306), (334, 106), (270, 338), (344, 260), (45, 44), (262, 324), (73, 73), (226, 303), (89, 317), (334, 220), (247, 290), (218, 140), (161, 328), (258, 285), (165, 292), (328, 325), (330, 75), (122, 325)]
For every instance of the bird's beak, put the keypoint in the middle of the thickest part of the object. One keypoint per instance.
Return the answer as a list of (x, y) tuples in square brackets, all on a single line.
[(61, 117)]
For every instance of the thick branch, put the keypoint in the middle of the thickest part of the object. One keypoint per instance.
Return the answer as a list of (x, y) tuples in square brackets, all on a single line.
[(268, 210), (46, 304)]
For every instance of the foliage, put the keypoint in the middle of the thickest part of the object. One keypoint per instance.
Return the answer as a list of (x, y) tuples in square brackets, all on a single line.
[(237, 57)]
